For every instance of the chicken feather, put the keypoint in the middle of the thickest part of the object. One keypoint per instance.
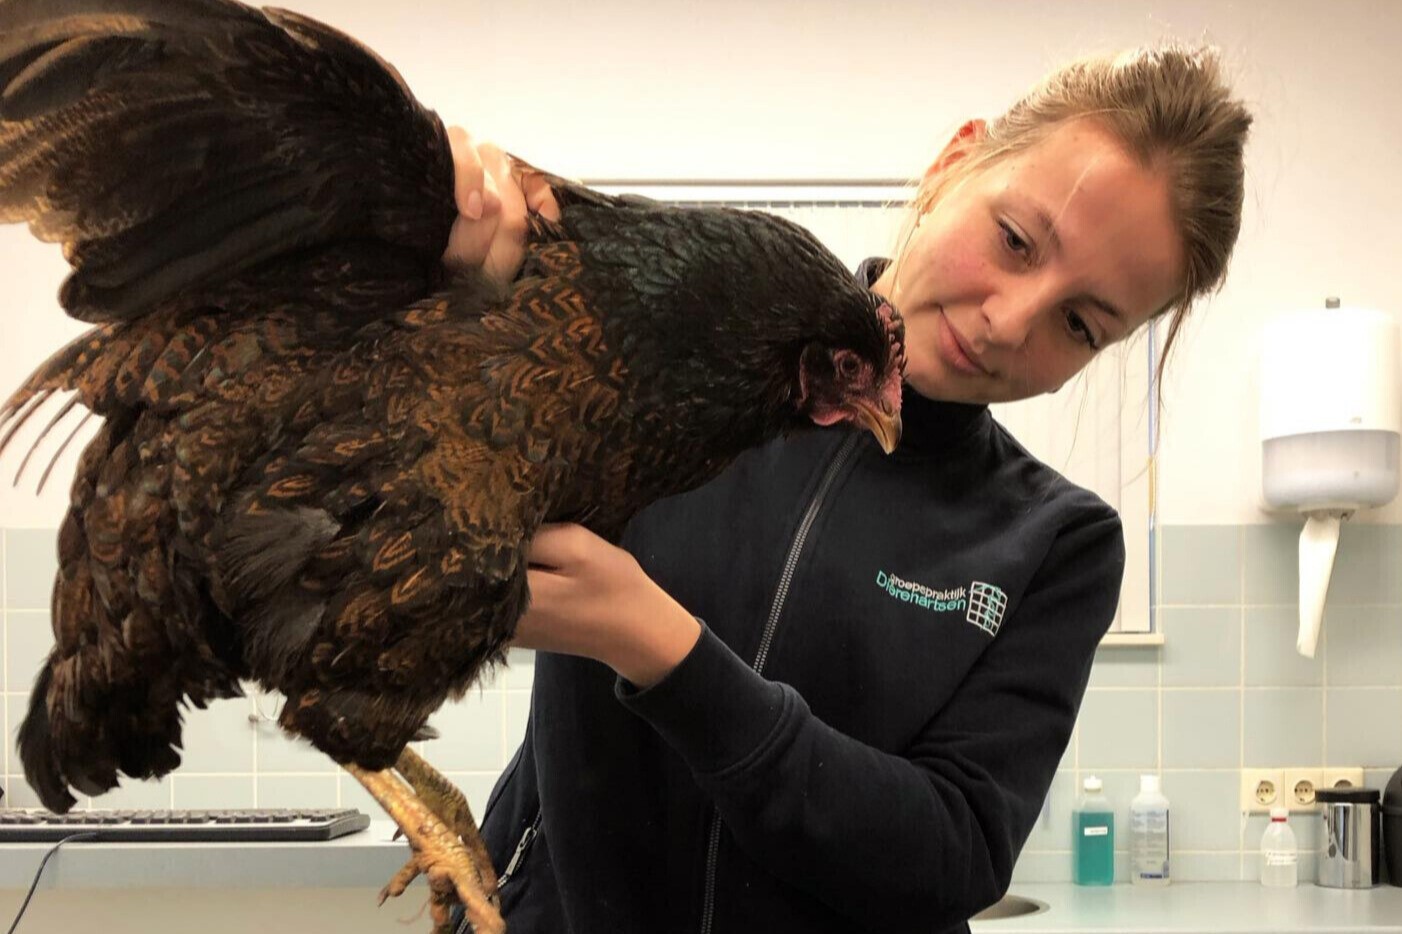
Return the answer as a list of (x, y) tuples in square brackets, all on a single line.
[(323, 458)]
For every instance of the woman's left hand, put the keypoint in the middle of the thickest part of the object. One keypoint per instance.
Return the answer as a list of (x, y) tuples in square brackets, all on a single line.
[(493, 195), (591, 598)]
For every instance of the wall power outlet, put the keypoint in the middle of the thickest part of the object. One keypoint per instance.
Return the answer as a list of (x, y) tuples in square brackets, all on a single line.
[(1292, 788)]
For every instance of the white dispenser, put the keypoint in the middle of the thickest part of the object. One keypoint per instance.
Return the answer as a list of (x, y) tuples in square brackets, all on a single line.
[(1331, 416), (1149, 834)]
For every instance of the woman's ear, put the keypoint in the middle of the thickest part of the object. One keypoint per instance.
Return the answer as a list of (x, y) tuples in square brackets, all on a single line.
[(964, 140)]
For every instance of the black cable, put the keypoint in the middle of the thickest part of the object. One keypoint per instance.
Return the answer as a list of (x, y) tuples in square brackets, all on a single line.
[(42, 863)]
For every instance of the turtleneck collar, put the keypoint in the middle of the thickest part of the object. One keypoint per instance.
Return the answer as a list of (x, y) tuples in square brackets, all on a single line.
[(928, 426)]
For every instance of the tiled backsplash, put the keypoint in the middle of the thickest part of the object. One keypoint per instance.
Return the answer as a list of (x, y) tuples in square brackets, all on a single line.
[(1226, 691)]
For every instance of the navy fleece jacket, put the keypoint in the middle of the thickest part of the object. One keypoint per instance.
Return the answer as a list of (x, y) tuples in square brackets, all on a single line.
[(894, 652)]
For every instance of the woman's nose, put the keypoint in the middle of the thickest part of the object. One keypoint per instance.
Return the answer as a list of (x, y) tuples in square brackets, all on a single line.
[(1011, 318)]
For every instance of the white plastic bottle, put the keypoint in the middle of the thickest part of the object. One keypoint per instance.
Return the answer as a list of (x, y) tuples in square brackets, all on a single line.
[(1280, 857), (1148, 834)]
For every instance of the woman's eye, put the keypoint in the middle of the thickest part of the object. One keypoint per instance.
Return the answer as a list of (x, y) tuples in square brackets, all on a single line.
[(1078, 326), (1013, 240)]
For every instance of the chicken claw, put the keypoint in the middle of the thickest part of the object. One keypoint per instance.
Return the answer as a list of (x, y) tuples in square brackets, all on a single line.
[(438, 854)]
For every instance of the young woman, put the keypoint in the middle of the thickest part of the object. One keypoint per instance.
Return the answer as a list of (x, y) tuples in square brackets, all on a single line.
[(829, 690)]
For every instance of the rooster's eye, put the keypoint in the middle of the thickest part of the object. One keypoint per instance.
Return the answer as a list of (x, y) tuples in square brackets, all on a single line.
[(848, 366)]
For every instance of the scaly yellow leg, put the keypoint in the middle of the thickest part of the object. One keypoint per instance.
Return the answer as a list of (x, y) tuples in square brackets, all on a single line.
[(438, 854), (447, 801)]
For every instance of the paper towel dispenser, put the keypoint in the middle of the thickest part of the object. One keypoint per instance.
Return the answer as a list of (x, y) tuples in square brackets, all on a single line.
[(1331, 418)]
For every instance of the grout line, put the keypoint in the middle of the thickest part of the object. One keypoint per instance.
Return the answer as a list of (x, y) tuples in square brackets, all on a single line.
[(6, 717), (1176, 851), (1185, 770), (1198, 689), (1275, 606), (1241, 706), (183, 774), (1324, 694), (1158, 712), (5, 616), (256, 726)]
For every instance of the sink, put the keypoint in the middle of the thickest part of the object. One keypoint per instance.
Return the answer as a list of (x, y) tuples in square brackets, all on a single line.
[(1010, 906)]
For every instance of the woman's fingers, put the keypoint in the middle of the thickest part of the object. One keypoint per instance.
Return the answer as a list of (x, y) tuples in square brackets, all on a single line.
[(469, 243), (472, 233), (467, 173), (549, 623), (493, 202), (473, 241), (540, 198), (557, 546), (508, 247)]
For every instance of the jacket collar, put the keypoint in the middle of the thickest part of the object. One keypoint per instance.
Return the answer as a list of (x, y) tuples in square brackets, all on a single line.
[(928, 426)]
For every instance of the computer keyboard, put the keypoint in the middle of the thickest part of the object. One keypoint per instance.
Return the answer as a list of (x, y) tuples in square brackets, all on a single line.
[(173, 826)]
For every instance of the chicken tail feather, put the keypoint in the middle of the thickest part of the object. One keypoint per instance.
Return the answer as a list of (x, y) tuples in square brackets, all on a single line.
[(41, 768), (263, 551)]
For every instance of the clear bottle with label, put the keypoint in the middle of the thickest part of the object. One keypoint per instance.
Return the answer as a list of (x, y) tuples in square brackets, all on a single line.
[(1280, 857), (1093, 836), (1148, 834)]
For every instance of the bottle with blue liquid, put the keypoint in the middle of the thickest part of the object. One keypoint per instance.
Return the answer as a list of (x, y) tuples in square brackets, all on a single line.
[(1093, 836)]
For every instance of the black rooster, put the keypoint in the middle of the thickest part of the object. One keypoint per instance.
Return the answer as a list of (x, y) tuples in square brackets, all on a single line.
[(323, 460)]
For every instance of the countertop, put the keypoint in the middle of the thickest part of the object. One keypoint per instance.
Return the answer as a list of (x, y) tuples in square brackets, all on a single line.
[(1203, 907), (368, 858)]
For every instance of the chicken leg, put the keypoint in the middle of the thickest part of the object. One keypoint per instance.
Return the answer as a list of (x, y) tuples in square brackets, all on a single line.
[(438, 854), (448, 802)]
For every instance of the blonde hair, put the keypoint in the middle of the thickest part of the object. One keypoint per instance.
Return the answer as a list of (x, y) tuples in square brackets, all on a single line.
[(1170, 108)]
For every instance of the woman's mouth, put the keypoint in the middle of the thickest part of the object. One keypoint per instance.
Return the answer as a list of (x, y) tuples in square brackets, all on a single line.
[(954, 351)]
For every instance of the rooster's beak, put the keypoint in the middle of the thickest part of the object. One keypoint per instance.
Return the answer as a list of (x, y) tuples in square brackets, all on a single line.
[(882, 422)]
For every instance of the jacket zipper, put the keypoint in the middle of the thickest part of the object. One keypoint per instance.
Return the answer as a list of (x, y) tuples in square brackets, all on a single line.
[(517, 856), (520, 853), (771, 624)]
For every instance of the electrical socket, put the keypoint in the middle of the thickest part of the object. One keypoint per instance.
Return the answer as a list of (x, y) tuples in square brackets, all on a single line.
[(1341, 778), (1299, 786), (1260, 789), (1292, 788)]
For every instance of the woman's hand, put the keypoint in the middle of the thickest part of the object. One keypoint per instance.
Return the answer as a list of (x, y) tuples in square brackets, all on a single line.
[(493, 198), (591, 598)]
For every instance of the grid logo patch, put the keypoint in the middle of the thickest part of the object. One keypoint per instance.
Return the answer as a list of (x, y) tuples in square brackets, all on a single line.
[(986, 606)]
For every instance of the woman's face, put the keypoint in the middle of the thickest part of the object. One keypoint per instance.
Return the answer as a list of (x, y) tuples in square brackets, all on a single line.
[(1016, 278)]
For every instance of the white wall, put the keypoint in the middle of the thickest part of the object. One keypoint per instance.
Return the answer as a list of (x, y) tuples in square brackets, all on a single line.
[(814, 88)]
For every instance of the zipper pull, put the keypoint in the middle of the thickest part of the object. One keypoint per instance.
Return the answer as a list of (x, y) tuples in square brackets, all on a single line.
[(515, 862)]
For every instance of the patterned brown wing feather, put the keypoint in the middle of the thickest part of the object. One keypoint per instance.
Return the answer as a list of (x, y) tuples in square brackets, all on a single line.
[(460, 435), (239, 128), (192, 401), (315, 470), (319, 467)]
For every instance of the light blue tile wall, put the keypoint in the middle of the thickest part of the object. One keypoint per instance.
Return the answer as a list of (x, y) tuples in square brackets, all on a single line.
[(1227, 690)]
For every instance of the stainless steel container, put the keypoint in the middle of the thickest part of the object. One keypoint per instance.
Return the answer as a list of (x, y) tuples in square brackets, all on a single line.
[(1350, 856)]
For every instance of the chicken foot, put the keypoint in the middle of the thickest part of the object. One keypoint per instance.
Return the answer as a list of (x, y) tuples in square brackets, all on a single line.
[(447, 801), (438, 854)]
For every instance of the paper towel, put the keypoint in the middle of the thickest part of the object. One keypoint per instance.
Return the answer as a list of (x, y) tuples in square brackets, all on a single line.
[(1319, 541)]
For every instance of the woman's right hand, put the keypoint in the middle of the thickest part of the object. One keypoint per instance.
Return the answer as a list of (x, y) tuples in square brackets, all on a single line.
[(493, 199)]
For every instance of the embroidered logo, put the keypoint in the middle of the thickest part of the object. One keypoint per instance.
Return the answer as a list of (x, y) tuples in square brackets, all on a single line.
[(982, 604), (986, 606)]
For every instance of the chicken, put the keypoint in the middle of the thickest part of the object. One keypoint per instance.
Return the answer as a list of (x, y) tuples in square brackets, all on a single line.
[(322, 458)]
